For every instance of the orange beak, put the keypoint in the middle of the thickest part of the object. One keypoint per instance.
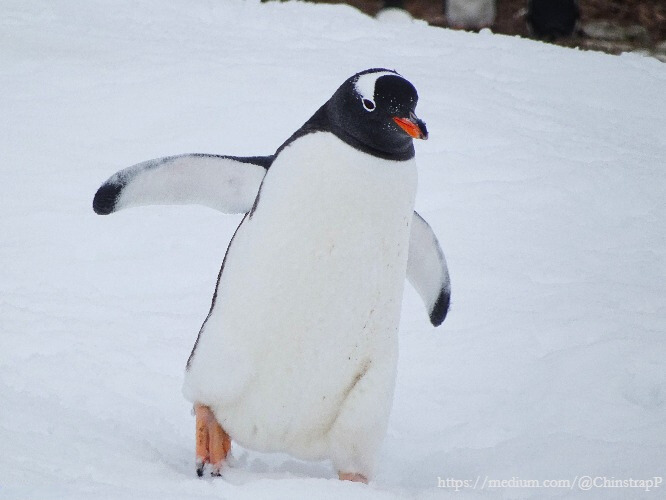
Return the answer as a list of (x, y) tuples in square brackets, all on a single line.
[(414, 127)]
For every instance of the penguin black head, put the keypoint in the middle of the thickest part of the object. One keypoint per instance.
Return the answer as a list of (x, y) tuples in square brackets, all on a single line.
[(373, 111)]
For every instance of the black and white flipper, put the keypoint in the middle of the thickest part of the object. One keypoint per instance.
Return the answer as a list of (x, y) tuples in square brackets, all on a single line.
[(427, 270), (230, 184), (226, 183)]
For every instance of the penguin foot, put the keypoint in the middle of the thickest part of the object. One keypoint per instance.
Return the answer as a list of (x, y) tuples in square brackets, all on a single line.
[(212, 443), (350, 476)]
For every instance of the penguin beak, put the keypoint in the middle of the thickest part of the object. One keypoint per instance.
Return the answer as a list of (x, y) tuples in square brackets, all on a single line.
[(414, 127)]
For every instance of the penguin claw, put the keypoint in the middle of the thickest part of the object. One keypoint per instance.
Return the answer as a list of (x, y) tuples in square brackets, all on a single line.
[(212, 442)]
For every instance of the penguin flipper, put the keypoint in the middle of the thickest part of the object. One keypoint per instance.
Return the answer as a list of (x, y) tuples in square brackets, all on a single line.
[(226, 183), (427, 270)]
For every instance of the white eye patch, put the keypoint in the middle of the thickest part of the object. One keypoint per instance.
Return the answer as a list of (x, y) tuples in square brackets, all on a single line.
[(365, 87)]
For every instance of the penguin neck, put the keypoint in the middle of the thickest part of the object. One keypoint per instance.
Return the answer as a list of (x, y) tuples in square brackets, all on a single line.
[(321, 122)]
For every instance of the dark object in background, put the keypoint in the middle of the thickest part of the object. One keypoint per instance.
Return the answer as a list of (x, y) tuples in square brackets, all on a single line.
[(552, 19)]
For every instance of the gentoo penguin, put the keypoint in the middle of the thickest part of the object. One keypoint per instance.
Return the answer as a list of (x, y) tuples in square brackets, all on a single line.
[(552, 19), (470, 14), (298, 351)]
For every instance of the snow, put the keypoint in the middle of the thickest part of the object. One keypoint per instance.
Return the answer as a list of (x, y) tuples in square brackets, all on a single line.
[(543, 179), (394, 15)]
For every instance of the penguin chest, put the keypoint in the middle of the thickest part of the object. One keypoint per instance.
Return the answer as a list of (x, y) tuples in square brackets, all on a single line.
[(310, 294), (328, 238)]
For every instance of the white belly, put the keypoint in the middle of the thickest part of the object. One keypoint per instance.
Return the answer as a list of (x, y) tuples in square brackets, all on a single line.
[(309, 299)]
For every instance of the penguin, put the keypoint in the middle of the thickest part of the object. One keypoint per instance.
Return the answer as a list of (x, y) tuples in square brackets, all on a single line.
[(298, 351), (552, 19), (470, 14)]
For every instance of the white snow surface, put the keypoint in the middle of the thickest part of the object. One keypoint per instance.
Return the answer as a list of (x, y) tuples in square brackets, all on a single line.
[(543, 178)]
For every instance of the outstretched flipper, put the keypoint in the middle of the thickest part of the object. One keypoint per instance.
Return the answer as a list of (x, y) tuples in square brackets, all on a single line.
[(427, 271), (230, 184), (226, 183)]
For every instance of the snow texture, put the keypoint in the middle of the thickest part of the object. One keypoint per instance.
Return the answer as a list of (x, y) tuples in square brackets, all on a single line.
[(543, 179)]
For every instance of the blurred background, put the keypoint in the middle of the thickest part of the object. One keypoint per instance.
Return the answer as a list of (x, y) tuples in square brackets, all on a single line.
[(612, 26)]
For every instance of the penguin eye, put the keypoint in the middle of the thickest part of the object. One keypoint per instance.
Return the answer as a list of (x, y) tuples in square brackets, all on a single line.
[(368, 105)]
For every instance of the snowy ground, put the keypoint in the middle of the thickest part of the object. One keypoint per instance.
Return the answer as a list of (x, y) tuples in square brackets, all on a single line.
[(543, 177)]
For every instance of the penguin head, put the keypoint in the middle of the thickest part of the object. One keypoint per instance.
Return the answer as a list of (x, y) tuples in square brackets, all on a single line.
[(375, 111)]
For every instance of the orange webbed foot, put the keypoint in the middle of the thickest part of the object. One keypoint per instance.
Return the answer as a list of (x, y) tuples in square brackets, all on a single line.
[(212, 442), (350, 476)]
